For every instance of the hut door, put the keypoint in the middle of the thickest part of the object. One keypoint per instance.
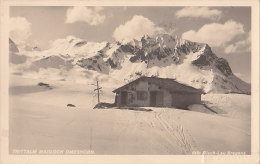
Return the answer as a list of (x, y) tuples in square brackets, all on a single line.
[(156, 98), (153, 98), (159, 98), (124, 98)]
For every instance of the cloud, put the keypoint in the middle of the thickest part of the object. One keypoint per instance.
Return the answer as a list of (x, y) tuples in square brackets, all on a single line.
[(239, 46), (62, 41), (136, 28), (215, 34), (199, 12), (90, 15), (20, 29)]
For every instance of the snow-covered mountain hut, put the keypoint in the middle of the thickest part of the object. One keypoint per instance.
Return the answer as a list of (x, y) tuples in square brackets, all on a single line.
[(157, 92)]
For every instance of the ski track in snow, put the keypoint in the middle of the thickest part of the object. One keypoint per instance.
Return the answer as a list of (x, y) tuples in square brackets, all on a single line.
[(176, 132)]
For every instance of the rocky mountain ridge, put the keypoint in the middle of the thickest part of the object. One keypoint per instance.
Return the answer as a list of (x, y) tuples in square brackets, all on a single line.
[(162, 55)]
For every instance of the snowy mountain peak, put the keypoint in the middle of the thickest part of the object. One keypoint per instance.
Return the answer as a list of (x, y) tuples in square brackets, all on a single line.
[(161, 55)]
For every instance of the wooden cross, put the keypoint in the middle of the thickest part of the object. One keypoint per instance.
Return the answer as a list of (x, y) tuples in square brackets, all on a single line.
[(98, 89)]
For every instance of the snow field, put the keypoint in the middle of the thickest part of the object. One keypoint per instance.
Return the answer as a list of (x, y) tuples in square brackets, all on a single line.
[(40, 119)]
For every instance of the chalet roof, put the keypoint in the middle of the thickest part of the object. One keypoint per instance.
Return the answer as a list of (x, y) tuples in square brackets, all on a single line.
[(170, 84)]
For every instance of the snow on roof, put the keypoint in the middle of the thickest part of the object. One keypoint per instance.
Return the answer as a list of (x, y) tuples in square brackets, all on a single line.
[(166, 83)]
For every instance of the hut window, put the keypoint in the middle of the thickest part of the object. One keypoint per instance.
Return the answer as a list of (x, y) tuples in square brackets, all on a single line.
[(131, 97), (141, 95)]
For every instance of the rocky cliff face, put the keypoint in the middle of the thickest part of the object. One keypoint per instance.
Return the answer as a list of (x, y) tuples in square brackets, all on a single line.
[(162, 55), (12, 46), (14, 56)]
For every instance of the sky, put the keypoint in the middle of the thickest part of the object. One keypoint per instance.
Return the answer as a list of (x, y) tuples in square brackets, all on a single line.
[(227, 30)]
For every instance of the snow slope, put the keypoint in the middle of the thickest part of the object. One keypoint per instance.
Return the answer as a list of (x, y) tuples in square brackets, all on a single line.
[(40, 119)]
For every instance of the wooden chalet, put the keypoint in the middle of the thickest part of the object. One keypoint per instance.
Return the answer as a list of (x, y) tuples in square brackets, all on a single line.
[(157, 92)]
